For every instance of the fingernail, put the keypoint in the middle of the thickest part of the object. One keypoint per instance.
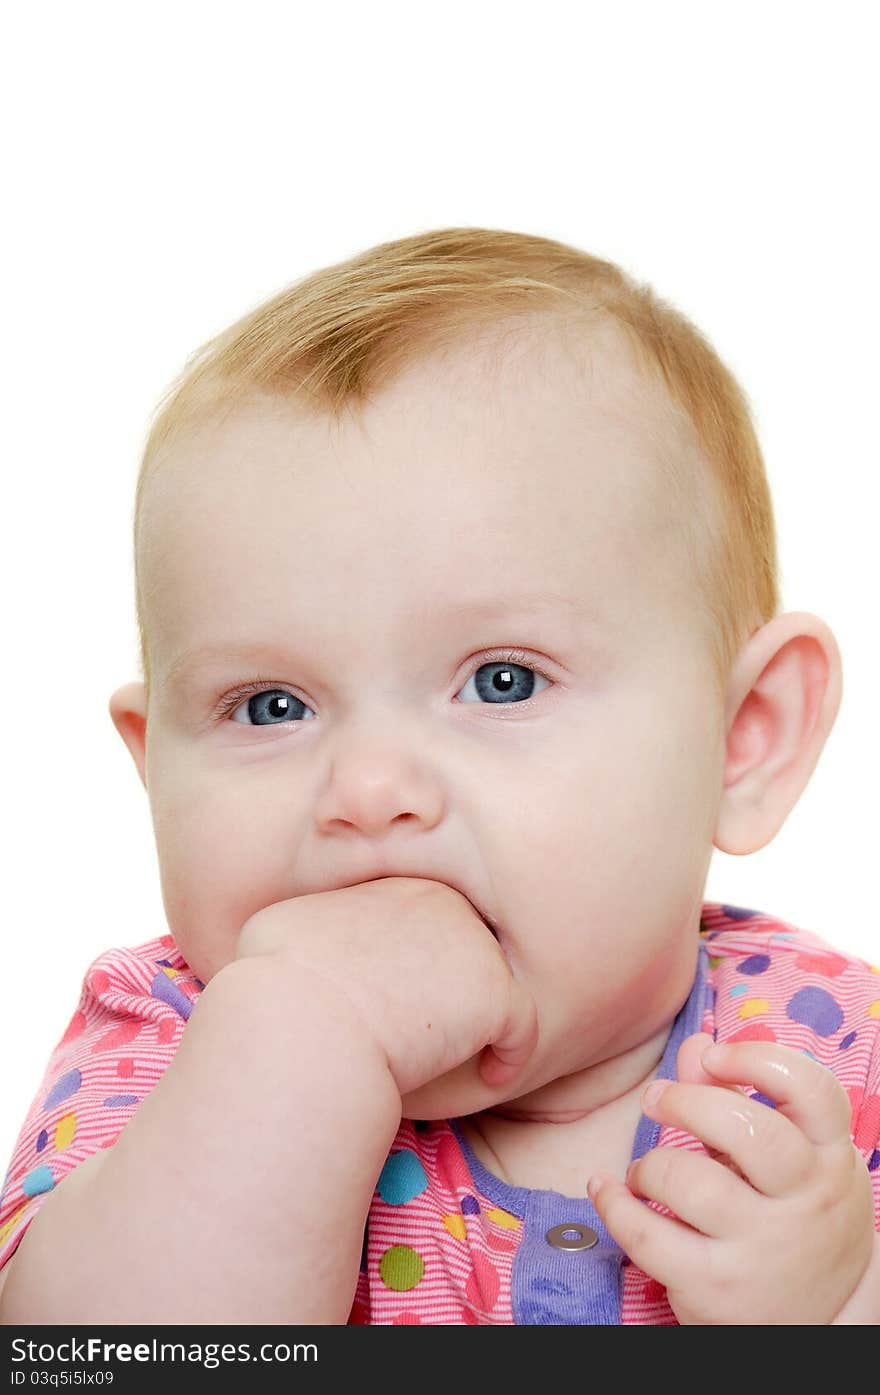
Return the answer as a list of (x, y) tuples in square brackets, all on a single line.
[(653, 1093), (595, 1184)]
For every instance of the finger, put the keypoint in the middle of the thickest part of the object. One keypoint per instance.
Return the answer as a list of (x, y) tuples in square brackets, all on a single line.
[(502, 1061), (770, 1151), (663, 1247), (804, 1090), (689, 1066), (702, 1193)]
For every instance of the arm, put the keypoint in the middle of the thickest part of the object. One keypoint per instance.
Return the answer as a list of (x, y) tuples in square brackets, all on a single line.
[(227, 1198)]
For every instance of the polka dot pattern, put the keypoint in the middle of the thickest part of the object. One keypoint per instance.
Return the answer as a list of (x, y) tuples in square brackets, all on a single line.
[(815, 1008), (754, 964), (436, 1247), (752, 1007), (401, 1268), (38, 1180), (167, 992), (402, 1178), (64, 1087)]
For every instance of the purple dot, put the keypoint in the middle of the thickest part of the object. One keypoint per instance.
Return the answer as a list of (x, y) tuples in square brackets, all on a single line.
[(762, 1099), (42, 1140), (815, 1008), (65, 1086), (738, 913), (117, 1101), (847, 1041), (470, 1206), (164, 989), (755, 964), (874, 1160)]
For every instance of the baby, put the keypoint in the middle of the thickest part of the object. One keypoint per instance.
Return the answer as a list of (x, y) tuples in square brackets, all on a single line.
[(443, 1031)]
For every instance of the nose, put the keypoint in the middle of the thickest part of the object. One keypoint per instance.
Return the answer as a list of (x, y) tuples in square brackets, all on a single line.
[(373, 785)]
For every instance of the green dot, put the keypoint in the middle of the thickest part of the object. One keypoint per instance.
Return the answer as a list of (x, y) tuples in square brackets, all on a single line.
[(401, 1268)]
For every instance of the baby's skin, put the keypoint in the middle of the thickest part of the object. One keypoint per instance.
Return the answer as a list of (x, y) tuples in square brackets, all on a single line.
[(779, 1220), (434, 819)]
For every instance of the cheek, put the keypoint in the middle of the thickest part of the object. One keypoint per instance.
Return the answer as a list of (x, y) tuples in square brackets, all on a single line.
[(216, 869), (617, 857)]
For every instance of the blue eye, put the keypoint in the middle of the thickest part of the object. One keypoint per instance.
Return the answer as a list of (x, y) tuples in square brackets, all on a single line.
[(275, 704), (495, 682)]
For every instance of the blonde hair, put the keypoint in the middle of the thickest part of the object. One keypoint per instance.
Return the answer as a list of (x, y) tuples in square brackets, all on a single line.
[(339, 335)]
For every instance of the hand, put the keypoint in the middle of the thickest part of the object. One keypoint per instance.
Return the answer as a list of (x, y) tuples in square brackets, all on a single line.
[(417, 966), (776, 1223)]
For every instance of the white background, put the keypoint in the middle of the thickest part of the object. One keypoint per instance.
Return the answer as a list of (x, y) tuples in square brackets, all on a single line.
[(167, 167)]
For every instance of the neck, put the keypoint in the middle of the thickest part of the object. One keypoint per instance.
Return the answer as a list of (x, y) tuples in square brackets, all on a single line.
[(575, 1097)]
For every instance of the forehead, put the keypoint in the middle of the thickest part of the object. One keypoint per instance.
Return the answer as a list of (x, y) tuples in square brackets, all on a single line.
[(517, 464)]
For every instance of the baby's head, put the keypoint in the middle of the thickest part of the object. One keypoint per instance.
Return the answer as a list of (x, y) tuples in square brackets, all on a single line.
[(457, 561)]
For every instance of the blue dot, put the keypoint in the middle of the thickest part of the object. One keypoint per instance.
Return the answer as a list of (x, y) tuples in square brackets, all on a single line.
[(847, 1041), (738, 913), (65, 1086), (117, 1101), (874, 1160), (738, 990), (402, 1178), (762, 1099), (42, 1140), (755, 964), (817, 1009), (38, 1180), (470, 1206)]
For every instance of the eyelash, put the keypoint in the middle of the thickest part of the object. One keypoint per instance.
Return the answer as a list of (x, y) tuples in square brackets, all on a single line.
[(259, 684)]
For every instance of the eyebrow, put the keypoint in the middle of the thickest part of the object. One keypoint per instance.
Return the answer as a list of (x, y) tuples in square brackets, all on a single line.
[(506, 608)]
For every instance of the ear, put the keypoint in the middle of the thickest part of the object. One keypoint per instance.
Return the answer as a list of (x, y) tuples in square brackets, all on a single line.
[(128, 708), (782, 698)]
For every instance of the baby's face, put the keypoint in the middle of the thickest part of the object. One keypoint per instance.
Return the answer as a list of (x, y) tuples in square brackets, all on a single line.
[(375, 573)]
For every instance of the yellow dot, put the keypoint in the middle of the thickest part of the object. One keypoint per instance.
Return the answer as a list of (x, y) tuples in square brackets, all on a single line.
[(401, 1268), (752, 1006), (874, 1009), (456, 1227), (713, 963), (172, 973), (875, 968), (9, 1226), (64, 1131), (504, 1218)]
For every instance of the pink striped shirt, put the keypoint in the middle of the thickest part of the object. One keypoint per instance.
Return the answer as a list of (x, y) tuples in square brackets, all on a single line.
[(446, 1241)]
